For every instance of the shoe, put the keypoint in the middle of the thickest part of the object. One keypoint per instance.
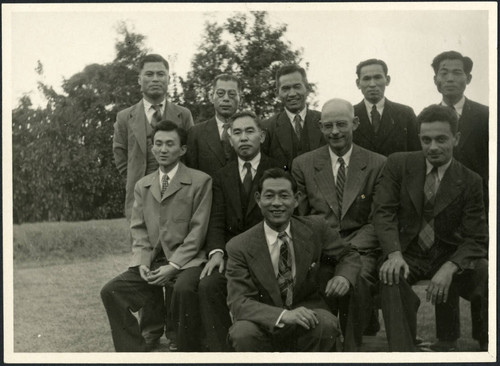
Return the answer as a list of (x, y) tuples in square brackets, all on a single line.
[(152, 345), (172, 347), (374, 325), (444, 346)]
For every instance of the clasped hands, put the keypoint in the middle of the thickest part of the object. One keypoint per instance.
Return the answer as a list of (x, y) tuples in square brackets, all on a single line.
[(161, 276)]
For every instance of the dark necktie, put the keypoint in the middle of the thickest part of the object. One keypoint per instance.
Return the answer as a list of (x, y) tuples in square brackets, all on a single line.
[(426, 234), (226, 145), (156, 115), (340, 184), (375, 118), (285, 278), (247, 180), (297, 126), (164, 184)]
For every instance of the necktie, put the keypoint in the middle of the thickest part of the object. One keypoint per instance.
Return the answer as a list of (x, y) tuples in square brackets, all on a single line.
[(164, 184), (247, 180), (156, 115), (285, 278), (426, 234), (340, 183), (226, 145), (375, 118), (297, 126)]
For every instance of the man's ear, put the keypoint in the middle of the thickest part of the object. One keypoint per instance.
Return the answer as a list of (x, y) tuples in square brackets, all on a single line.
[(457, 138), (469, 78), (262, 136), (357, 83), (257, 197), (183, 150), (355, 122), (387, 80)]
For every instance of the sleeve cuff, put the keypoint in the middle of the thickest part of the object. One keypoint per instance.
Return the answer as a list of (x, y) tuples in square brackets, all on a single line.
[(278, 323), (176, 266), (215, 251)]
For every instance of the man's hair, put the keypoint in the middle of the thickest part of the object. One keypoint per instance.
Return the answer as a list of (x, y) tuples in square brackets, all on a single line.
[(452, 55), (250, 114), (166, 125), (439, 113), (153, 58), (290, 69), (227, 77), (372, 61), (275, 173)]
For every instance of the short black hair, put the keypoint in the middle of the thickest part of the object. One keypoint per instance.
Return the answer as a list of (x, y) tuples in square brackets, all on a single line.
[(290, 69), (452, 55), (372, 61), (250, 114), (227, 77), (276, 173), (166, 125), (439, 113), (153, 58)]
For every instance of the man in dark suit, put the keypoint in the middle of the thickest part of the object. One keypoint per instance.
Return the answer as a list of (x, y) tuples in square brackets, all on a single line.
[(430, 220), (338, 182), (295, 130), (132, 143), (168, 227), (209, 147), (234, 211), (452, 74), (273, 290), (384, 126)]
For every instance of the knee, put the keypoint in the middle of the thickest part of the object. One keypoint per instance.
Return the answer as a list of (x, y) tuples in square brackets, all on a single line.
[(212, 285), (328, 325), (243, 335)]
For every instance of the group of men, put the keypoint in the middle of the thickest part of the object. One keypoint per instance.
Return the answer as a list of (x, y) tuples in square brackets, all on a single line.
[(276, 235)]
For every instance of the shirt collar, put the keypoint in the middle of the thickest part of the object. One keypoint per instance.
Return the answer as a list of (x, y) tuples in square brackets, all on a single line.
[(148, 105), (219, 121), (459, 106), (254, 162), (302, 114), (170, 174), (380, 104), (272, 235), (347, 156), (441, 170)]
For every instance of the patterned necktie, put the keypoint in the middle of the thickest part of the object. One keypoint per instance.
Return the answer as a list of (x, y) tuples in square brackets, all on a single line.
[(226, 145), (426, 234), (156, 115), (375, 118), (164, 184), (247, 180), (285, 278), (297, 126), (340, 184)]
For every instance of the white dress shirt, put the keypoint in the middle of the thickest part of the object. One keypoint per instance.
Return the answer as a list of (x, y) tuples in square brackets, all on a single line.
[(440, 172), (459, 107), (254, 163), (148, 108), (291, 117), (220, 127), (334, 158), (380, 108)]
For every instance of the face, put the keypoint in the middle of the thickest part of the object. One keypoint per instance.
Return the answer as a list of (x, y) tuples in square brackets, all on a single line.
[(277, 202), (167, 149), (337, 125), (293, 92), (372, 82), (451, 79), (226, 98), (246, 137), (437, 142), (153, 80)]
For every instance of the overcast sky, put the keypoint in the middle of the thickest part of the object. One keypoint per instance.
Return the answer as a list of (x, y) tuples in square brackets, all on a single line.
[(334, 39)]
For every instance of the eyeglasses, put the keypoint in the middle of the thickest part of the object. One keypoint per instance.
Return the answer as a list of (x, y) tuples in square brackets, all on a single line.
[(328, 126), (231, 93)]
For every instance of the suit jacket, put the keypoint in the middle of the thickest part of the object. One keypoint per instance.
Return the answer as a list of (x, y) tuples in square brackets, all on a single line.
[(398, 129), (278, 144), (314, 175), (205, 150), (129, 143), (177, 222), (459, 218), (253, 291), (227, 218)]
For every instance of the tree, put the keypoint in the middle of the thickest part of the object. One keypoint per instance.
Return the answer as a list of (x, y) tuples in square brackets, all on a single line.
[(244, 45)]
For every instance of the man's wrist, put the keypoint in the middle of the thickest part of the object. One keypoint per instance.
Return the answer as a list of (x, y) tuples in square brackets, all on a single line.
[(212, 252), (452, 266)]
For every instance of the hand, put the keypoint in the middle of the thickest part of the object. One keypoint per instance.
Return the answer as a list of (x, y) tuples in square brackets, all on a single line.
[(144, 272), (337, 286), (163, 275), (438, 289), (302, 316), (390, 270), (216, 260)]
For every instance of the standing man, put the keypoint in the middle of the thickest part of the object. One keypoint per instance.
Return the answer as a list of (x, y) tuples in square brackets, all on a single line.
[(295, 130), (168, 226), (209, 147), (338, 182), (132, 143), (430, 220), (384, 126), (272, 274), (234, 211)]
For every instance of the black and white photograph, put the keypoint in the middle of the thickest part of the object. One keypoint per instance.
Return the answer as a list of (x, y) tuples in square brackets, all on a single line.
[(249, 182)]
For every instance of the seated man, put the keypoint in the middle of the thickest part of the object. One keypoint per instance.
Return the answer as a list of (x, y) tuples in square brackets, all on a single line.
[(272, 274), (168, 227), (429, 217), (234, 210)]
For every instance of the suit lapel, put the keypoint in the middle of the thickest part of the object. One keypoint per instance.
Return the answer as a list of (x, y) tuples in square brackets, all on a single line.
[(181, 178), (415, 178), (313, 131), (137, 123), (172, 113), (233, 183), (283, 133), (323, 175), (212, 139), (449, 188), (263, 165), (355, 177), (154, 185), (365, 127), (386, 122), (301, 235), (465, 124)]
